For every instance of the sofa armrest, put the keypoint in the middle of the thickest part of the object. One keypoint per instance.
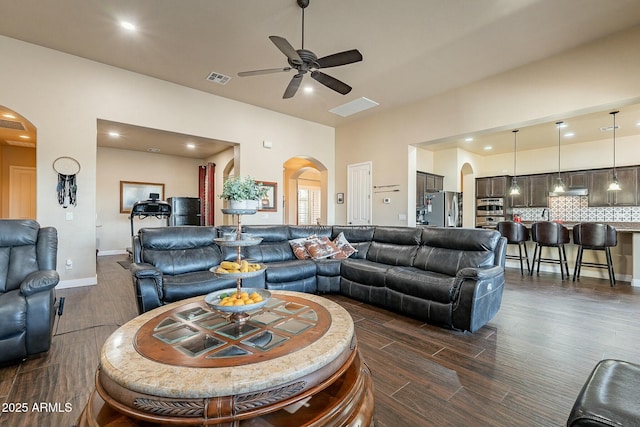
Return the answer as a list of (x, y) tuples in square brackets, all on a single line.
[(477, 297), (480, 273), (147, 282), (38, 281)]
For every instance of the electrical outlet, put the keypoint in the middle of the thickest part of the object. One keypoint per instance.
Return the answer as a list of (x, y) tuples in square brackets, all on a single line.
[(69, 264)]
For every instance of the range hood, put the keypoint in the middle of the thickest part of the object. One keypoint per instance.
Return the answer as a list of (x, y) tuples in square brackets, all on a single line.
[(572, 191)]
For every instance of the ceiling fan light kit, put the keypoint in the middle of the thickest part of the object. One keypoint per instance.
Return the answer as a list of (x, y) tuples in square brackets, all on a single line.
[(305, 61)]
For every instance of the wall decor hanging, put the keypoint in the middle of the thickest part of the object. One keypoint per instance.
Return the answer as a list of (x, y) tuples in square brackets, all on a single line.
[(67, 168)]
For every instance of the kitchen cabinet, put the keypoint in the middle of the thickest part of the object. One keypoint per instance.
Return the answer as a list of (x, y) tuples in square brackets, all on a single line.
[(427, 183), (495, 186), (534, 191), (599, 182), (577, 179)]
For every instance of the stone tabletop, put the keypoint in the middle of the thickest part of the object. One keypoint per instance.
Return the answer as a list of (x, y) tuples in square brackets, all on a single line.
[(124, 365)]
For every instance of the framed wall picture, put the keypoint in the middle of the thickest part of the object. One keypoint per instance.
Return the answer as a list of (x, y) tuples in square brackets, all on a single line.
[(269, 201), (131, 192)]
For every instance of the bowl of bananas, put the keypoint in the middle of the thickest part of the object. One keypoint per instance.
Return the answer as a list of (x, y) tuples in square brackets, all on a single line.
[(240, 270)]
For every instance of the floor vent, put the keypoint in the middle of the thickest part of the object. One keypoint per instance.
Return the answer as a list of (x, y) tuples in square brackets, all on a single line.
[(218, 78), (9, 124)]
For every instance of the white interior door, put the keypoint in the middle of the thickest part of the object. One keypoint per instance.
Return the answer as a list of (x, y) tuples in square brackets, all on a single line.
[(359, 194), (22, 192)]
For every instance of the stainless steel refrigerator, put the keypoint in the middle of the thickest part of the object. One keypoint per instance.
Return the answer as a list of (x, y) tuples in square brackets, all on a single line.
[(184, 211), (443, 209)]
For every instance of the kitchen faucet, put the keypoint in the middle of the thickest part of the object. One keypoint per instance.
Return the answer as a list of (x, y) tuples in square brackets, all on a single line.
[(548, 212)]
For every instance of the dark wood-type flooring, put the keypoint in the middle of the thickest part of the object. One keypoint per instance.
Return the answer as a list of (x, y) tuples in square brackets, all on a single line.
[(524, 368)]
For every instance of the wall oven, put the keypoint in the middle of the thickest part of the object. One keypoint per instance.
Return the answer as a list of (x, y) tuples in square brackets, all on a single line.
[(490, 207), (490, 211)]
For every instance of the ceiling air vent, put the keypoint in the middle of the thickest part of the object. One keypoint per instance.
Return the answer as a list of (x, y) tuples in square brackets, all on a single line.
[(608, 128), (9, 124), (221, 79)]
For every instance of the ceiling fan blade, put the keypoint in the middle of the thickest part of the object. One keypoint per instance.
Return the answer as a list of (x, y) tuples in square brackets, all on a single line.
[(341, 58), (331, 82), (286, 48), (293, 86), (267, 71)]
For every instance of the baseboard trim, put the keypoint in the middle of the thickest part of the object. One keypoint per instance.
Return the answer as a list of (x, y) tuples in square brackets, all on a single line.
[(113, 252), (76, 283)]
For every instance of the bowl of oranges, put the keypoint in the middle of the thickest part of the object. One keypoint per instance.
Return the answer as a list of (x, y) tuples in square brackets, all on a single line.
[(230, 300)]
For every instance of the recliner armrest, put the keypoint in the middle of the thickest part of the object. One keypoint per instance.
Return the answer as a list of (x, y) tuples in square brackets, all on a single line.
[(145, 270), (480, 273), (38, 281)]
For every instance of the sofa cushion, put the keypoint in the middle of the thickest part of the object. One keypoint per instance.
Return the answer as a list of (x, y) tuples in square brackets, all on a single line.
[(394, 245), (179, 250), (358, 236), (320, 247), (364, 271), (289, 271), (346, 249), (328, 267), (13, 314), (300, 231), (298, 248), (270, 252), (447, 251), (187, 285), (427, 285)]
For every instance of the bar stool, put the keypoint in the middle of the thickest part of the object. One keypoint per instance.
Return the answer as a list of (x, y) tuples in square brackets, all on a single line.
[(516, 234), (553, 235), (596, 237)]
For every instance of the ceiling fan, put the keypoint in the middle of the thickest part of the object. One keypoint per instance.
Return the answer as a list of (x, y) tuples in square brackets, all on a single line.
[(304, 61)]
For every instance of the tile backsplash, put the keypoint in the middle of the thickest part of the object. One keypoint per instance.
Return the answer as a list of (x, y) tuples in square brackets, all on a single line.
[(576, 209)]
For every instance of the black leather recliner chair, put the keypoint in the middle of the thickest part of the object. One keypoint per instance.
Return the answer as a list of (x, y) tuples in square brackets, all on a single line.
[(28, 278)]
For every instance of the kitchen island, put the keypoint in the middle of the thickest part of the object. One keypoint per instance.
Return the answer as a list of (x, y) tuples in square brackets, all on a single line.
[(626, 255)]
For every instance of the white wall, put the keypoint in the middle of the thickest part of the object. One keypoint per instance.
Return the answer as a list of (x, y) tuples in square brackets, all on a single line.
[(596, 76), (63, 96), (113, 229)]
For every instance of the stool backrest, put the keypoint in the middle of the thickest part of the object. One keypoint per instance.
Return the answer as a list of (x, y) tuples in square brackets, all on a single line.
[(549, 233), (595, 234), (515, 232)]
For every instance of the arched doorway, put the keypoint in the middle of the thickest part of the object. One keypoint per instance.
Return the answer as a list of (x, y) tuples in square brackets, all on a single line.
[(18, 140), (305, 191)]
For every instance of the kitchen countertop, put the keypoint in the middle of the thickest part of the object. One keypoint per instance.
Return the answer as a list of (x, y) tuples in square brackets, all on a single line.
[(622, 227)]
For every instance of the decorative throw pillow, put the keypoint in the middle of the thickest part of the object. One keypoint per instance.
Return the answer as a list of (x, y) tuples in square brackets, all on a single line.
[(346, 250), (299, 250), (320, 247)]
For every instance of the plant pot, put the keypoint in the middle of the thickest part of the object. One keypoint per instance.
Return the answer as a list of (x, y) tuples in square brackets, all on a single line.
[(252, 204), (237, 204)]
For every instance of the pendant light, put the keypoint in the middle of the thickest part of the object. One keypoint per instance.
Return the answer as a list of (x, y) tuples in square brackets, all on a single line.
[(559, 187), (615, 185), (515, 188)]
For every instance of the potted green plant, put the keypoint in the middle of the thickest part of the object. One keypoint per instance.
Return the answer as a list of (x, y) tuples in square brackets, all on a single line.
[(254, 192), (233, 190), (242, 193)]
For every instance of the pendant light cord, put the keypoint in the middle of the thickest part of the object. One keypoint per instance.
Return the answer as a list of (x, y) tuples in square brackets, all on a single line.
[(515, 150), (614, 141), (559, 123)]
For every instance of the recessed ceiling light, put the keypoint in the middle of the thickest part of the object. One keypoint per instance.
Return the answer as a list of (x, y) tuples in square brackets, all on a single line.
[(308, 89), (191, 145), (562, 125), (569, 134), (468, 139), (488, 147), (114, 134), (127, 25)]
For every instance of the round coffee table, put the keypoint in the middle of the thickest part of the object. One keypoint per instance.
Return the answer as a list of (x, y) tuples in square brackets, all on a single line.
[(295, 362)]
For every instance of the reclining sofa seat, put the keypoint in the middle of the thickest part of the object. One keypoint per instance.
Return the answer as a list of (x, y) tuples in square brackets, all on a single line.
[(453, 277), (172, 264), (28, 277)]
